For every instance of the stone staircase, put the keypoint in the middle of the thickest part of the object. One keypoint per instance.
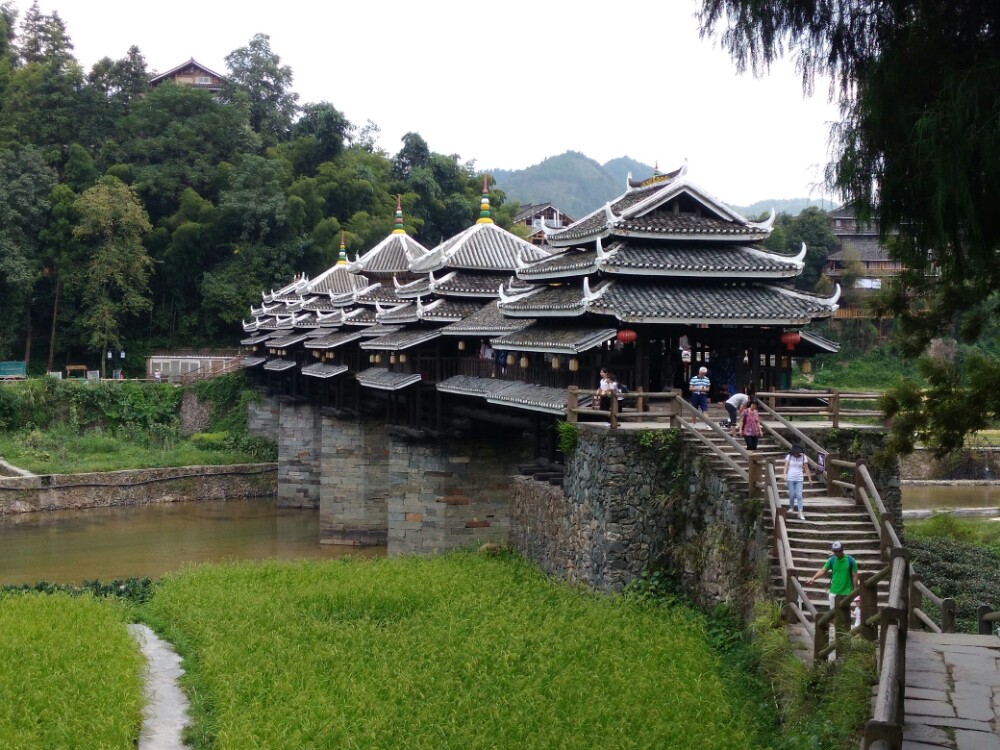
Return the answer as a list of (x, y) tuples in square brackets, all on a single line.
[(827, 519)]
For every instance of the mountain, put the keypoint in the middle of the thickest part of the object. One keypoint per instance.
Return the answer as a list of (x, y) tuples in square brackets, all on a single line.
[(572, 182), (577, 185)]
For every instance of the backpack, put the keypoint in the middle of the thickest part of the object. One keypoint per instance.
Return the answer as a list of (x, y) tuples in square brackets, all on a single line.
[(851, 565)]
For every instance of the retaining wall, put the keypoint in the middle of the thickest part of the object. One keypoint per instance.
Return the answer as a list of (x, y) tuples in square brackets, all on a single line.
[(136, 487)]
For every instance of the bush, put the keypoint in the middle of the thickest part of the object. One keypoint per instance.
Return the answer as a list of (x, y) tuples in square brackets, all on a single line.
[(210, 441), (969, 573)]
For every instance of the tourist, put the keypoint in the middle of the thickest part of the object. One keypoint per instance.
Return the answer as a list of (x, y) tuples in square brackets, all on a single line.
[(700, 385), (749, 426), (796, 470), (606, 388), (843, 574), (157, 376), (734, 404)]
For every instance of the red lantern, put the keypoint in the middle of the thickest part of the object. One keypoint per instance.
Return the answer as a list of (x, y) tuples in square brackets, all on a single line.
[(626, 336), (790, 339)]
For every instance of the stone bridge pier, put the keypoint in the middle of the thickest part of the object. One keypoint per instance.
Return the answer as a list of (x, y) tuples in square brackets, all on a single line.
[(373, 488)]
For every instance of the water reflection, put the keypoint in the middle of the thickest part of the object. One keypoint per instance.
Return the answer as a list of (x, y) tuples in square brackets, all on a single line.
[(150, 540), (948, 496)]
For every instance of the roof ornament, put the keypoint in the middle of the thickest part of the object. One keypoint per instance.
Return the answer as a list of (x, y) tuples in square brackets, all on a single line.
[(379, 310), (802, 253), (588, 295), (683, 170), (420, 308), (835, 298), (430, 283), (484, 205), (766, 224), (508, 298), (609, 215), (342, 258), (601, 254), (399, 216)]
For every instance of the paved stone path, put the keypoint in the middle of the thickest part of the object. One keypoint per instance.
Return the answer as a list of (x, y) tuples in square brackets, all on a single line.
[(166, 711), (952, 692)]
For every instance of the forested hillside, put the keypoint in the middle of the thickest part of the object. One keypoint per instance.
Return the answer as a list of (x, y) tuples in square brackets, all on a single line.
[(136, 218)]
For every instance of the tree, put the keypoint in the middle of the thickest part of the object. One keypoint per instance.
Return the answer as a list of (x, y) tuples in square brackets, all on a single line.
[(917, 151), (111, 227), (257, 79), (25, 184)]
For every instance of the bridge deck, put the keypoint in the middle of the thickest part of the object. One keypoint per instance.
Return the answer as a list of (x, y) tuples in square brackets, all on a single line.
[(952, 692)]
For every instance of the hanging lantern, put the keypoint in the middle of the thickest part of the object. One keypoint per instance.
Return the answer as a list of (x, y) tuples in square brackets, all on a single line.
[(378, 359), (524, 361), (461, 345), (626, 336), (790, 339), (511, 359), (392, 359), (574, 364), (555, 363), (371, 359), (806, 367), (402, 359)]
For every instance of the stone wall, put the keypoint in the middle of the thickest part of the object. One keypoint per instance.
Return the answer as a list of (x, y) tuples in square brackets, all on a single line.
[(626, 507), (300, 436), (354, 482), (194, 414), (262, 418), (450, 494), (136, 487)]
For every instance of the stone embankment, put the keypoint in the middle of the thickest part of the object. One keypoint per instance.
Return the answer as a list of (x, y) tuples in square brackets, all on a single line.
[(27, 494)]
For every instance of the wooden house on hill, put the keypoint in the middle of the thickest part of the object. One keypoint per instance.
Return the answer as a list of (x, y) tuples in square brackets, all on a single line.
[(191, 73), (538, 217), (487, 328), (859, 243)]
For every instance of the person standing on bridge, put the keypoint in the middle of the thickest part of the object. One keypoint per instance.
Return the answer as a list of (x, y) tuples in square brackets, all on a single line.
[(843, 576), (796, 471), (699, 386)]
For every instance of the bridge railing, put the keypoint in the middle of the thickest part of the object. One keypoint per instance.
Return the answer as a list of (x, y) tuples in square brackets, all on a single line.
[(834, 405), (631, 406)]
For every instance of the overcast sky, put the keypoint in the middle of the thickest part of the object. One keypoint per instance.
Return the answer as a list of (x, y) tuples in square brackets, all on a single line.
[(507, 83)]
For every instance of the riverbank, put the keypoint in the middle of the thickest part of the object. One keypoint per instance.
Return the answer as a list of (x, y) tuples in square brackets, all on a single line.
[(28, 494)]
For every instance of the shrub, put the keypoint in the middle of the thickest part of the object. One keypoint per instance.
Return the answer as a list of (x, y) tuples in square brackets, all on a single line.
[(210, 441)]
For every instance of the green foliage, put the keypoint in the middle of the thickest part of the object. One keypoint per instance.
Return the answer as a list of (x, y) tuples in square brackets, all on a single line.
[(70, 676), (955, 568), (131, 590), (436, 642), (569, 434), (667, 447), (209, 441)]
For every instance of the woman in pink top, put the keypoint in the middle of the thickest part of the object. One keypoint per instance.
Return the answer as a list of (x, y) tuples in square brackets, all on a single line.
[(750, 425)]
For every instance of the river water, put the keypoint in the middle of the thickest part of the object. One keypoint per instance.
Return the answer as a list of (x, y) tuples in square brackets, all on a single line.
[(149, 540), (67, 546)]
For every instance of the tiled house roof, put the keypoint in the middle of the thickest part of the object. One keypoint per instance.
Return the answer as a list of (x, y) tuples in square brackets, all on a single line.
[(481, 247)]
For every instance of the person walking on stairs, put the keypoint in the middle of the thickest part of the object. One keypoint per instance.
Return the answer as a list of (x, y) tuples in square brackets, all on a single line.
[(796, 471), (843, 577), (700, 385), (749, 425)]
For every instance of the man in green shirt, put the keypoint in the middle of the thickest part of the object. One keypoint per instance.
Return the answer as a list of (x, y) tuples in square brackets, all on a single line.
[(843, 574)]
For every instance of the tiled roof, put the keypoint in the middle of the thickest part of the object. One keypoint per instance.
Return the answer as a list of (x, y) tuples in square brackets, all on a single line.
[(648, 210), (393, 255), (467, 385), (361, 316), (481, 247), (727, 303), (320, 303), (279, 365), (338, 281), (381, 379), (532, 397), (821, 343), (414, 288), (281, 342), (645, 258), (487, 321), (320, 370), (687, 225), (553, 339), (863, 247), (405, 339), (258, 339), (383, 293), (333, 340), (467, 284), (572, 262), (556, 301), (253, 361), (449, 310)]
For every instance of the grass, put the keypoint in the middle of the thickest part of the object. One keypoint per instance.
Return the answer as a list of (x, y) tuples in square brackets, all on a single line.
[(69, 674), (62, 451), (969, 530), (463, 651)]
